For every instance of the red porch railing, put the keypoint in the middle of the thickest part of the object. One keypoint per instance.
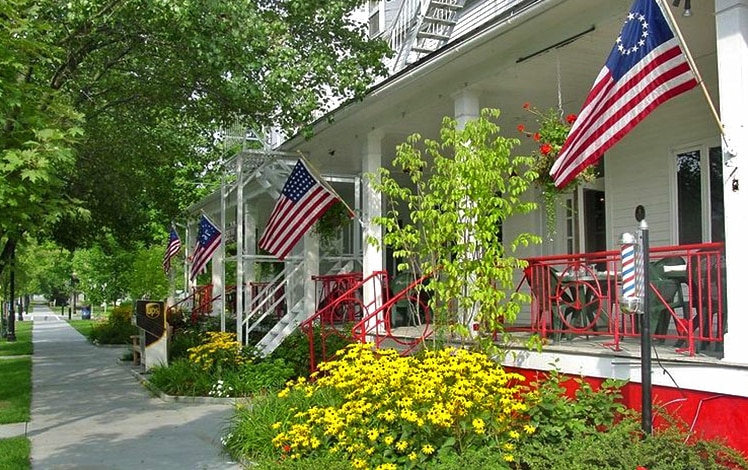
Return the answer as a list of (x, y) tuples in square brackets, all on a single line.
[(577, 294), (342, 303)]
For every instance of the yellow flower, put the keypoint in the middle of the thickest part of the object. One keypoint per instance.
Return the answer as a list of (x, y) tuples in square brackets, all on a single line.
[(386, 466), (358, 463), (401, 446), (389, 440), (508, 458), (276, 425), (373, 434), (529, 428), (428, 449), (413, 456)]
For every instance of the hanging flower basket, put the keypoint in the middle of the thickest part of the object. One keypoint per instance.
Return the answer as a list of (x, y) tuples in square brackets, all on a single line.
[(553, 128), (335, 218)]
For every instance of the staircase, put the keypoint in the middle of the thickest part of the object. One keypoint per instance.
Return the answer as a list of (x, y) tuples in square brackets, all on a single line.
[(272, 313), (422, 27)]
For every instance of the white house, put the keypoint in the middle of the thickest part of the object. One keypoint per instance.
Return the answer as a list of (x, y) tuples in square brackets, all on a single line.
[(455, 57)]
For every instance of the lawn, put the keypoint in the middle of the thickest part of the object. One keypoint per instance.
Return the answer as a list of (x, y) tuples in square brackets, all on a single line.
[(83, 326), (15, 390), (15, 453), (22, 346)]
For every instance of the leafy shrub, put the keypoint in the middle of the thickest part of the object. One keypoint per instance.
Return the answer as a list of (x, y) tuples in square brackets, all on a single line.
[(116, 328), (560, 415), (623, 447), (295, 348), (182, 377), (377, 409)]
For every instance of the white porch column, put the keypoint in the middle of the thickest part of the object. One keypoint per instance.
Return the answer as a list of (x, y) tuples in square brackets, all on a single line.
[(311, 269), (217, 281), (373, 257), (467, 106), (732, 63)]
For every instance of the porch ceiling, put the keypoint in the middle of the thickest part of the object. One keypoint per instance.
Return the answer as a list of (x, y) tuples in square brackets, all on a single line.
[(417, 99)]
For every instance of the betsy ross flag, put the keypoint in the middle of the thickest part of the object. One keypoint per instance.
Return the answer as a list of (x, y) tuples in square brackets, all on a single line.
[(208, 240), (172, 249), (303, 200), (645, 68)]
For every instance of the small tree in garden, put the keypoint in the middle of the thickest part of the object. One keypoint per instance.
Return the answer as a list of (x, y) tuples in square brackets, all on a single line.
[(447, 219)]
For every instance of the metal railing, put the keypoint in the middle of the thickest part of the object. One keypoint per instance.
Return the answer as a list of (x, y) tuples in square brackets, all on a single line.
[(578, 295)]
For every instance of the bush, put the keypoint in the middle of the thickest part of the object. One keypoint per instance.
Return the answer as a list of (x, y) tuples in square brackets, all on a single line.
[(623, 447), (116, 328), (376, 408), (295, 348)]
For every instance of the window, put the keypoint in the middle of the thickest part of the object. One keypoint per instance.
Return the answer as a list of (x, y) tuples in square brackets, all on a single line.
[(374, 21), (700, 203)]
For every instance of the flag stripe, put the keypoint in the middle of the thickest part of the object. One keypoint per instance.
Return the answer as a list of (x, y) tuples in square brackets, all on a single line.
[(302, 202), (172, 249), (645, 68)]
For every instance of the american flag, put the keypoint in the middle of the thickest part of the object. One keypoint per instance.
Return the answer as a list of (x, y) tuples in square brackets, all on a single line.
[(208, 240), (645, 68), (303, 200), (172, 249)]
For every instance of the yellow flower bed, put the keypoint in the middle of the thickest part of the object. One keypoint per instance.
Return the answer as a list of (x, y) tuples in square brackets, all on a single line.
[(219, 349), (383, 411)]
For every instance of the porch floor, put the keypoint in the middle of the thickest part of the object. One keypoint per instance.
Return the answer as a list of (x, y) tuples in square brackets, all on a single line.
[(580, 344)]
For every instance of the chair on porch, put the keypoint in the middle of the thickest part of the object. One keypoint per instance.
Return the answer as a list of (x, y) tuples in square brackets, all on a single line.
[(544, 286), (670, 287)]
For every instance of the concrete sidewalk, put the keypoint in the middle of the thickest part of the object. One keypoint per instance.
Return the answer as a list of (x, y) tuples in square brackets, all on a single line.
[(89, 412)]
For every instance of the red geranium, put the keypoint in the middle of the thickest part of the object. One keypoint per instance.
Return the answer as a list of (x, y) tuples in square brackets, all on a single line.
[(545, 149), (570, 119)]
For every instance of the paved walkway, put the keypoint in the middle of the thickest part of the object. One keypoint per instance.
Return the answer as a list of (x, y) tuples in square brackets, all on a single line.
[(89, 413)]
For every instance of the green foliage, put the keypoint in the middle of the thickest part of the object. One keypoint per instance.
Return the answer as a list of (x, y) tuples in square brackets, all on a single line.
[(561, 414), (329, 226), (447, 220), (116, 328), (186, 378), (182, 377), (146, 275), (294, 350), (15, 390), (623, 447), (15, 453)]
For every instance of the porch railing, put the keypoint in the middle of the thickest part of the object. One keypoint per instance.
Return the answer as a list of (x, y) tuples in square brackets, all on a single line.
[(578, 295)]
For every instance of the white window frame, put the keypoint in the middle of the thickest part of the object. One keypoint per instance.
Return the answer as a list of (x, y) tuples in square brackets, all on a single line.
[(706, 204)]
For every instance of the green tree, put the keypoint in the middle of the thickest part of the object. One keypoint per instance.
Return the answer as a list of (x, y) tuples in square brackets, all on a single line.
[(460, 192), (110, 107), (146, 277)]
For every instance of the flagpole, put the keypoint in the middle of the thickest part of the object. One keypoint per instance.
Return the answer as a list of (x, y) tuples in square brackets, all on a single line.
[(324, 183), (664, 6)]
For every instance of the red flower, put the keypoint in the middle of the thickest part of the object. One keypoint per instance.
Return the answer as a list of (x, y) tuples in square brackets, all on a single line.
[(536, 136), (545, 149), (639, 467), (526, 105), (287, 448), (570, 119), (521, 127)]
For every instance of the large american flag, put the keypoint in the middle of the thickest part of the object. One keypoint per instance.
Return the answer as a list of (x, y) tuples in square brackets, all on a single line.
[(303, 200), (172, 249), (645, 68), (208, 241)]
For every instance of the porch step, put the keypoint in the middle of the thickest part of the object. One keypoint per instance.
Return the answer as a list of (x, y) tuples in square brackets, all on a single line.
[(285, 326)]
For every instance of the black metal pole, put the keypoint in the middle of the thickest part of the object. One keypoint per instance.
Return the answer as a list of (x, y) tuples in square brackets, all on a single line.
[(646, 340), (12, 313)]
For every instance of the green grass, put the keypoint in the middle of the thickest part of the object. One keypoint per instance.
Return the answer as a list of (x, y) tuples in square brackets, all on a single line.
[(22, 345), (15, 390), (15, 453), (83, 326)]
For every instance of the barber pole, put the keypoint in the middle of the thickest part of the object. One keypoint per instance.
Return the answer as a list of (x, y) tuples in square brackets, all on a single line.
[(629, 294)]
